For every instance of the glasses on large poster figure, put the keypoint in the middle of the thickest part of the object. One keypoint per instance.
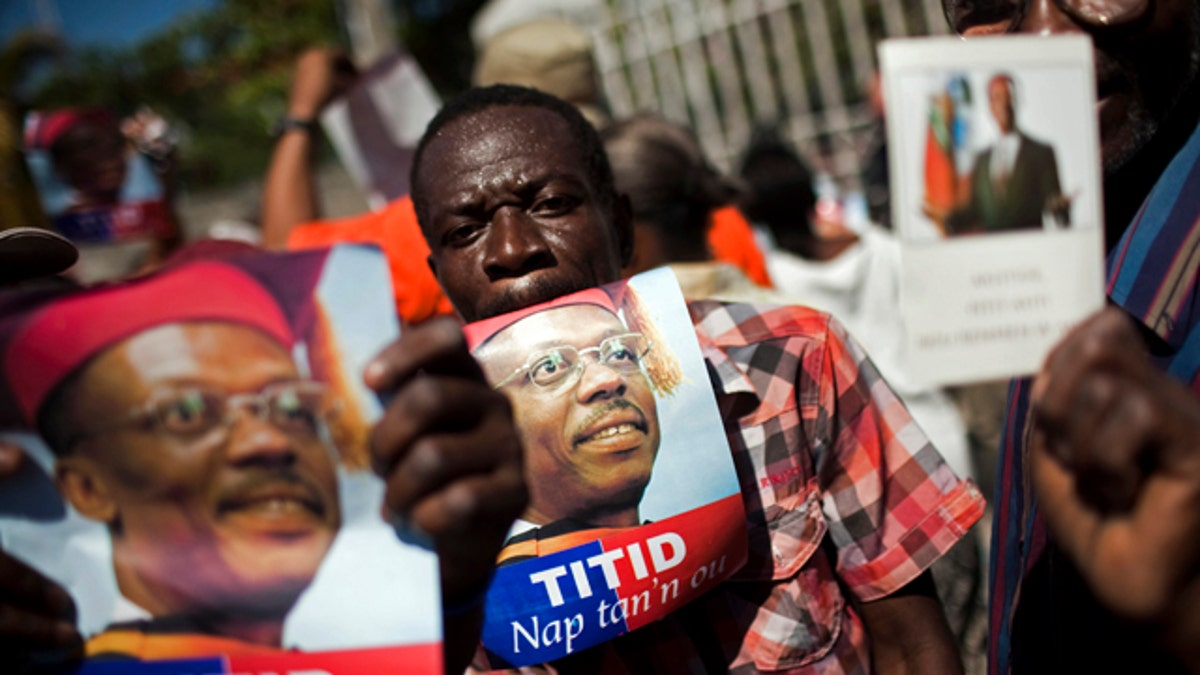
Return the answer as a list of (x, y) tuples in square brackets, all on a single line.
[(209, 425), (612, 401)]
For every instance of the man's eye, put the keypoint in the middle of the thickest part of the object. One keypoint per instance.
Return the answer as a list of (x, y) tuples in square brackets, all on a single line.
[(549, 368), (555, 206), (462, 234), (622, 356), (189, 413), (627, 350), (292, 413)]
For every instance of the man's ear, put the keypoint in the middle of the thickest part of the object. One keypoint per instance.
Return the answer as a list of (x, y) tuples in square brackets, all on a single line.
[(623, 222), (81, 485)]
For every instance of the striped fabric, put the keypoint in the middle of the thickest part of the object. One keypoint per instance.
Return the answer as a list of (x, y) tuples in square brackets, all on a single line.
[(839, 485), (1152, 274)]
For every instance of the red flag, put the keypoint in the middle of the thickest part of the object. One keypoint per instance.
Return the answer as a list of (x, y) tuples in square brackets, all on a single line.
[(941, 187)]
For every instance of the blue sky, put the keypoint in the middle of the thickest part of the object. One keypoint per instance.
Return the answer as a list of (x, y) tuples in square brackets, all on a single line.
[(97, 22)]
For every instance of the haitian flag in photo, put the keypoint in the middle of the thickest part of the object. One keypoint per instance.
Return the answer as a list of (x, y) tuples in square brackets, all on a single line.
[(599, 380)]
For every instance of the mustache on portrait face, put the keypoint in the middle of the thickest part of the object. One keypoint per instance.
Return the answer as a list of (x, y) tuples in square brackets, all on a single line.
[(607, 408)]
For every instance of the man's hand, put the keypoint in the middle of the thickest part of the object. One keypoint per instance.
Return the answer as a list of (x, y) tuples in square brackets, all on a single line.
[(450, 455), (908, 632), (320, 76), (35, 613), (1115, 456)]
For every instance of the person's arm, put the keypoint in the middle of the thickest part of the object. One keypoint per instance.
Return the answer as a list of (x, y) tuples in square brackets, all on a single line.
[(1115, 455), (450, 455), (908, 632), (289, 191)]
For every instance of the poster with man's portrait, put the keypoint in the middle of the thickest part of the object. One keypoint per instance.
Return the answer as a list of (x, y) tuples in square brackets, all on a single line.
[(99, 180), (195, 472), (995, 180), (634, 505)]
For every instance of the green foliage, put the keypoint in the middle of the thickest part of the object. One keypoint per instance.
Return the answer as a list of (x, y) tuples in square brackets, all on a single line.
[(219, 77)]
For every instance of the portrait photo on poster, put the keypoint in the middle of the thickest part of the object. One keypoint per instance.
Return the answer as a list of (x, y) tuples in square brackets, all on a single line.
[(195, 470), (634, 503), (995, 190), (96, 178)]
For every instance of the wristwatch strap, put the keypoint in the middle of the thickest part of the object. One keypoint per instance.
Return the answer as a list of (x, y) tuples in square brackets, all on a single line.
[(287, 123)]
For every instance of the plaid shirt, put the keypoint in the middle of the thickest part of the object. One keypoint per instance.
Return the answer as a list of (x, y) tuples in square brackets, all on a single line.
[(839, 485), (1153, 274)]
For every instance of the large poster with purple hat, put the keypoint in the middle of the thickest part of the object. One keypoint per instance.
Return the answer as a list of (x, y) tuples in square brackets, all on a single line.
[(195, 471), (635, 508)]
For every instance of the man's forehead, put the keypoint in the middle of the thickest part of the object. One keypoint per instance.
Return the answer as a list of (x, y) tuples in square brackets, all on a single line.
[(194, 351), (484, 139), (580, 326)]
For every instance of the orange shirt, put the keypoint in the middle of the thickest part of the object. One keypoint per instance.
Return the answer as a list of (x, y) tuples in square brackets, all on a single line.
[(394, 229), (732, 240), (418, 296)]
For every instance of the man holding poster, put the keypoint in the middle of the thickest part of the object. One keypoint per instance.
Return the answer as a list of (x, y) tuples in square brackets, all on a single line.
[(1069, 432), (846, 503)]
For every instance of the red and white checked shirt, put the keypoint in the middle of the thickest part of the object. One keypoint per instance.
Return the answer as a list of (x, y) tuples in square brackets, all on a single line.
[(839, 484)]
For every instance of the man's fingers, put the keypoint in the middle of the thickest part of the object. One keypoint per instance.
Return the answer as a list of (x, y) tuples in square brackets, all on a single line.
[(436, 347), (1112, 454), (22, 632), (469, 521), (426, 405), (24, 587), (1083, 377), (475, 503), (1074, 525), (437, 460), (35, 613)]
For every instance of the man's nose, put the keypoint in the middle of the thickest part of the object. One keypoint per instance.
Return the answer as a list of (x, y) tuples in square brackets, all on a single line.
[(1045, 18), (255, 441), (598, 382), (515, 245)]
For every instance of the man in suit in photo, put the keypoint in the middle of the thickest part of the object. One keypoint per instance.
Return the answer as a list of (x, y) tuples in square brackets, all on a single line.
[(1014, 182)]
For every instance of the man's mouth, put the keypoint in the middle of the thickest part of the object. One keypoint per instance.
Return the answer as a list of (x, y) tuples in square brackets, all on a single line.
[(619, 425), (276, 506), (531, 288)]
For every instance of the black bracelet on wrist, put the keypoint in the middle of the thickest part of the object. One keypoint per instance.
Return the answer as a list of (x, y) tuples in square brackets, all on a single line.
[(287, 123)]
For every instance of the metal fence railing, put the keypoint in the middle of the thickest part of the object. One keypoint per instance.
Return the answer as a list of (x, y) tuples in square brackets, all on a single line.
[(724, 66)]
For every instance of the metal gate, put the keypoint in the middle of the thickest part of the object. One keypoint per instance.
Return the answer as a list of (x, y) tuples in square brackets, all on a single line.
[(724, 66)]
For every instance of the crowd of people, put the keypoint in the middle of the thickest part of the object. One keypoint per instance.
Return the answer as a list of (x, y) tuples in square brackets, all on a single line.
[(855, 482)]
